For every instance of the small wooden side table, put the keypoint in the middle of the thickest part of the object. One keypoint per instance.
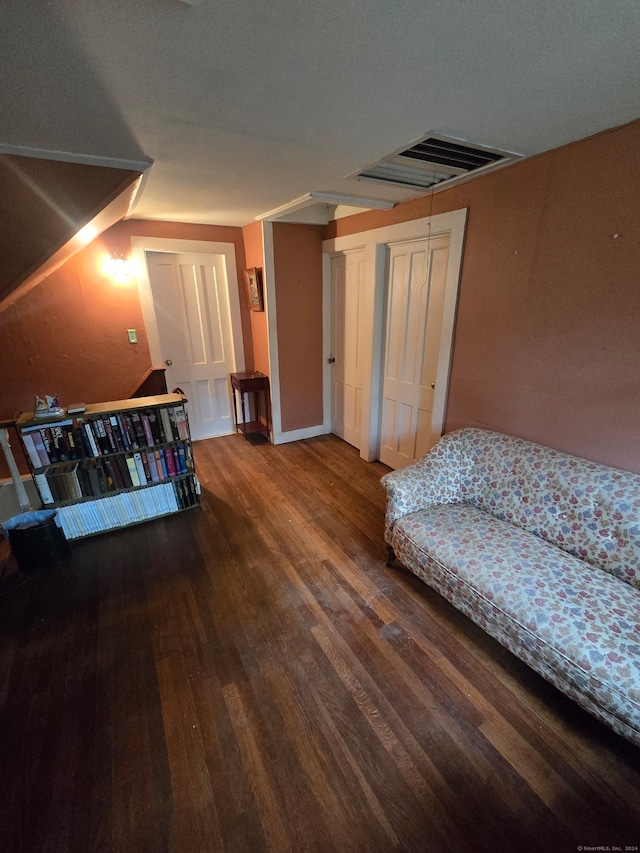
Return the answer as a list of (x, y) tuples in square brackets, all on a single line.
[(256, 384)]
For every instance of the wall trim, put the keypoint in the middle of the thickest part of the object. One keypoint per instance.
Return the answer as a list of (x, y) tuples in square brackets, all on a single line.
[(270, 307), (75, 157), (140, 245), (300, 434)]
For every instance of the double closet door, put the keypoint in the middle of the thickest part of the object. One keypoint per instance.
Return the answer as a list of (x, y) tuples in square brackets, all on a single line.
[(416, 276)]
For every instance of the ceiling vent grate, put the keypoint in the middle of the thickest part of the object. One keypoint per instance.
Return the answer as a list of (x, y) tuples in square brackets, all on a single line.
[(435, 160)]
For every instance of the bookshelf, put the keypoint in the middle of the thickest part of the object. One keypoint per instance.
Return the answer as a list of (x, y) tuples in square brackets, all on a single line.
[(113, 464)]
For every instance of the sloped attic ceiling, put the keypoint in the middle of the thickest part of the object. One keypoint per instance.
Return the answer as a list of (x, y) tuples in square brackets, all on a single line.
[(43, 204)]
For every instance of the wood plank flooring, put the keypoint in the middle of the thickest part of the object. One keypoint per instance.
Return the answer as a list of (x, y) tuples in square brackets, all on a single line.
[(250, 676)]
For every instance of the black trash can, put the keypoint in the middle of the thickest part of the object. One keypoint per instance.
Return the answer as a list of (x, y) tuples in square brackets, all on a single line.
[(36, 540)]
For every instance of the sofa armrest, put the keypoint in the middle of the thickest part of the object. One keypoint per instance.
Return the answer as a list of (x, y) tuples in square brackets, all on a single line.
[(433, 480)]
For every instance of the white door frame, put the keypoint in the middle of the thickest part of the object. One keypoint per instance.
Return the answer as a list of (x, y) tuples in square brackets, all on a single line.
[(139, 245), (376, 243)]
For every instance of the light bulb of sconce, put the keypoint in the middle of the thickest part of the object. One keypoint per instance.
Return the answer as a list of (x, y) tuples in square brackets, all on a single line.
[(118, 268)]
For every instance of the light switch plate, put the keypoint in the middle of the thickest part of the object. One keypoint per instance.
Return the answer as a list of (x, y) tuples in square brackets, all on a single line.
[(133, 336)]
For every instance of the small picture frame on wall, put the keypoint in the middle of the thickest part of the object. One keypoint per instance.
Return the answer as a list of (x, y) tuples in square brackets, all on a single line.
[(253, 281)]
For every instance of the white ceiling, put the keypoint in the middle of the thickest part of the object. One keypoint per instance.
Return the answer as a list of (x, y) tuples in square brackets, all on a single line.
[(245, 105)]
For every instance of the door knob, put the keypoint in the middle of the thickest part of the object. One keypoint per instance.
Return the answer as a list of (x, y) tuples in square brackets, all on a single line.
[(433, 384), (168, 362)]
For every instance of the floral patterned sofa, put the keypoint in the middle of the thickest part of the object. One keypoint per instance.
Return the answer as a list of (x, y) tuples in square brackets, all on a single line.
[(540, 549)]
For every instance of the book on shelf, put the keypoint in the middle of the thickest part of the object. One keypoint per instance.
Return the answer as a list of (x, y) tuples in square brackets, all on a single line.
[(155, 425), (43, 487), (103, 480), (32, 451), (170, 461), (60, 444), (116, 432), (146, 426), (57, 483), (54, 479), (76, 445), (89, 438), (124, 431), (153, 466), (110, 436), (83, 477), (88, 443), (114, 473), (156, 456), (48, 445), (92, 473), (133, 471), (137, 458), (67, 481), (121, 462), (181, 494), (166, 425), (138, 429), (100, 432), (40, 448), (144, 455), (75, 487), (48, 475), (182, 457), (75, 436), (181, 422), (108, 475), (171, 414)]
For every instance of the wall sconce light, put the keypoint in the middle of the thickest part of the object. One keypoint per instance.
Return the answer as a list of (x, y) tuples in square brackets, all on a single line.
[(118, 268)]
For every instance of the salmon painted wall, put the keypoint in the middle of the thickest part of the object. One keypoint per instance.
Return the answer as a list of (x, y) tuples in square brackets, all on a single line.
[(68, 334), (547, 340), (298, 283), (254, 254), (32, 229)]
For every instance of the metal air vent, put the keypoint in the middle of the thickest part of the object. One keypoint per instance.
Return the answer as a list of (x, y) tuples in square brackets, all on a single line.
[(435, 160)]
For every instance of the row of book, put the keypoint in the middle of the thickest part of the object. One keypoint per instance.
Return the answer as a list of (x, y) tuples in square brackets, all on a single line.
[(88, 478), (100, 435), (124, 508)]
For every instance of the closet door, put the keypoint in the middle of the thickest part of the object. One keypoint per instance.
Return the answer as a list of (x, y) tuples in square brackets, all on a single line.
[(347, 296), (417, 274)]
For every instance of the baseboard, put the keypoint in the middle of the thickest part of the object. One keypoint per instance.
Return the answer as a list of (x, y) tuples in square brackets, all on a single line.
[(299, 434)]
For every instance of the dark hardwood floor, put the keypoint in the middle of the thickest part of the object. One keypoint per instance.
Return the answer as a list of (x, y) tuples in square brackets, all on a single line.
[(250, 677)]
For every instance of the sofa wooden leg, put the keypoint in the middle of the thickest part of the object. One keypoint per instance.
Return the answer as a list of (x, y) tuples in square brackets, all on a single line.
[(391, 557)]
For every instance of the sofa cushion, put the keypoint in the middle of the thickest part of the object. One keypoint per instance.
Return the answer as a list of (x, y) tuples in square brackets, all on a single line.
[(589, 510), (576, 625)]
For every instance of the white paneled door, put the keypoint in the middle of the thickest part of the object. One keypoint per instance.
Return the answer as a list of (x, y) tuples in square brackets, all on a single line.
[(417, 275), (347, 330), (191, 303)]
